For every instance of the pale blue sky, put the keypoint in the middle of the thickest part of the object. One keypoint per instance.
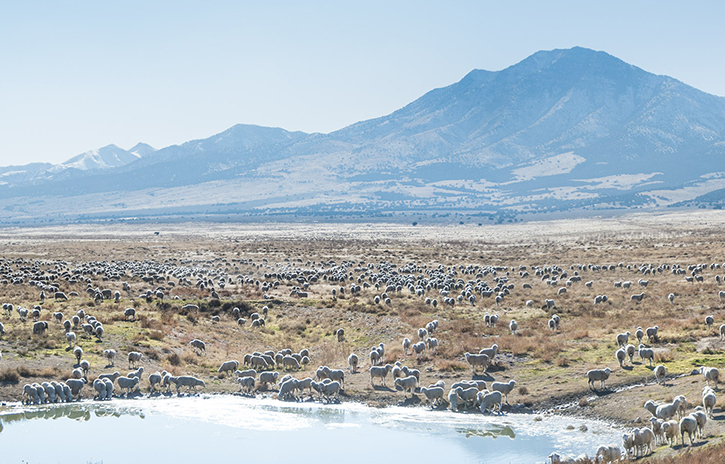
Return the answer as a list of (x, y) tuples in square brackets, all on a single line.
[(83, 74)]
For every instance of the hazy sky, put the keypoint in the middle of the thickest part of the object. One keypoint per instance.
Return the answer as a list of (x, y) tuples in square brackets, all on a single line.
[(83, 74)]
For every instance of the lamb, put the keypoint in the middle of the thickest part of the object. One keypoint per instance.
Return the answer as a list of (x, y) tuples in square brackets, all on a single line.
[(504, 387), (380, 372), (660, 373), (647, 353), (133, 358), (128, 383), (623, 339), (188, 381), (434, 394), (407, 383), (657, 429), (352, 361), (621, 355), (513, 326), (688, 425), (709, 320), (652, 333), (477, 360), (708, 400), (198, 345), (491, 401), (710, 373), (598, 374)]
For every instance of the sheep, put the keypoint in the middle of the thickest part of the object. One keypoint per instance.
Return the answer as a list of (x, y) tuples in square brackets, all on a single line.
[(490, 352), (85, 366), (111, 377), (340, 334), (110, 355), (198, 345), (660, 373), (639, 333), (434, 394), (231, 365), (598, 374), (422, 334), (647, 353), (630, 349), (407, 383), (432, 344), (608, 454), (154, 379), (40, 327), (188, 381), (303, 384), (513, 326), (71, 339), (418, 348), (258, 362), (286, 390), (77, 373), (671, 298), (688, 425), (352, 361), (701, 419), (246, 384), (491, 401), (621, 355), (407, 344), (49, 391), (709, 321), (30, 394), (722, 332), (267, 377), (241, 321), (138, 373), (623, 339), (504, 387), (78, 353), (664, 411), (129, 312), (337, 375), (670, 429), (374, 357), (708, 400), (100, 387), (552, 325), (657, 429), (134, 357), (652, 333), (477, 360), (76, 386), (380, 372), (327, 389), (710, 373), (644, 440), (453, 400), (469, 395)]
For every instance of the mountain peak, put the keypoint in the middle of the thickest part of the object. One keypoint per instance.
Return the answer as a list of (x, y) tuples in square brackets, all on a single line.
[(141, 149), (110, 156)]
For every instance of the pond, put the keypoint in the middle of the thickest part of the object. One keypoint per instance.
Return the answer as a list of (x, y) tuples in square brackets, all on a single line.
[(222, 428)]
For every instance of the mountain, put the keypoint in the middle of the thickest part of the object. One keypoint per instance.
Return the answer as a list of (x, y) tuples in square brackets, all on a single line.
[(563, 130), (106, 157)]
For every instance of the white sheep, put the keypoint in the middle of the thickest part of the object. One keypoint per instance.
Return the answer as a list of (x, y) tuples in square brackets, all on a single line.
[(134, 357), (434, 394), (701, 418), (722, 332), (407, 344), (432, 344), (598, 374), (660, 373), (407, 384), (267, 377), (647, 353), (709, 321), (621, 355), (670, 429), (710, 373), (639, 333), (469, 396), (477, 360), (380, 372), (490, 352), (188, 381), (652, 333), (644, 440), (688, 425), (630, 349), (491, 401), (419, 348), (504, 387), (709, 400), (422, 334), (154, 379), (513, 326), (70, 337), (352, 361), (287, 389), (608, 454), (657, 429), (623, 339), (128, 383), (198, 345), (110, 355)]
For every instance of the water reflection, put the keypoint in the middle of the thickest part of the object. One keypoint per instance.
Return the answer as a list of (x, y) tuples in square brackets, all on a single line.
[(77, 412), (493, 431)]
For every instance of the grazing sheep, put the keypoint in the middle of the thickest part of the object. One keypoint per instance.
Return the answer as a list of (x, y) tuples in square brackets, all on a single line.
[(100, 387), (231, 365), (708, 400), (468, 395), (647, 353), (670, 429), (639, 333), (40, 327), (352, 361), (671, 297), (198, 345), (129, 313), (188, 381), (504, 387), (660, 373), (380, 372), (246, 384), (406, 384), (78, 353), (491, 401), (623, 339), (267, 377), (709, 321), (513, 326), (258, 362), (71, 339), (340, 334), (286, 390), (134, 357), (710, 373), (630, 349), (598, 374), (76, 386), (688, 425)]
